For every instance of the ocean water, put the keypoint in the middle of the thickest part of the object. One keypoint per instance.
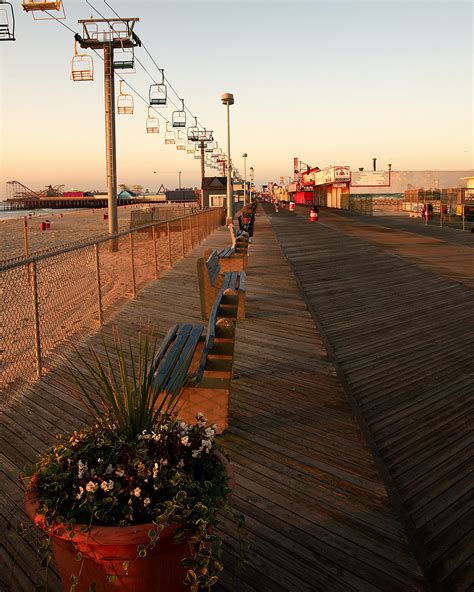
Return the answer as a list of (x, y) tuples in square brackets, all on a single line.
[(13, 214)]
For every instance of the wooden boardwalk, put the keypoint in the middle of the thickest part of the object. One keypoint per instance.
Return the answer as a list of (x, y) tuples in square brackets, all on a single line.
[(318, 516), (401, 334)]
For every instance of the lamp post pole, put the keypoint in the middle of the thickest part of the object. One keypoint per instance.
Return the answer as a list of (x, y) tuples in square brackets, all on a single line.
[(228, 100), (251, 181), (245, 177)]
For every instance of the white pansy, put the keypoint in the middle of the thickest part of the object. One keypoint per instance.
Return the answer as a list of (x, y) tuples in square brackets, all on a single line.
[(137, 492), (146, 501)]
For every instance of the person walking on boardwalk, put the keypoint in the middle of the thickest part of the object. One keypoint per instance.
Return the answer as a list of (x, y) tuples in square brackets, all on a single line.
[(275, 203), (314, 214)]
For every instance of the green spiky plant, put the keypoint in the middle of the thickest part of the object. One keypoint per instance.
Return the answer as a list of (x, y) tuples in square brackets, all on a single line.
[(137, 463)]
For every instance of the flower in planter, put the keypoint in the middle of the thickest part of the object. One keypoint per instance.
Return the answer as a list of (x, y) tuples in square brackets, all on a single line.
[(136, 469)]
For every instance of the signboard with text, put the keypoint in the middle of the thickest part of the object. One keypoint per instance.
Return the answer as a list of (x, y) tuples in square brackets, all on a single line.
[(370, 179)]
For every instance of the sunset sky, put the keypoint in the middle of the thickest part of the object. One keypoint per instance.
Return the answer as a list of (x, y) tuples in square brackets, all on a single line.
[(331, 82)]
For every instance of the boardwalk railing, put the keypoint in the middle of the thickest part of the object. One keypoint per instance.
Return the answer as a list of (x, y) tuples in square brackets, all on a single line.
[(53, 296)]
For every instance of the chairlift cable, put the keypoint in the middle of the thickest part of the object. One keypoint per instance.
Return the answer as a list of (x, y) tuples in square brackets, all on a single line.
[(154, 62)]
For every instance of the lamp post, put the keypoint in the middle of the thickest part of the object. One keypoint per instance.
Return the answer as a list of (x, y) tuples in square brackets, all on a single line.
[(228, 100), (251, 181), (245, 177)]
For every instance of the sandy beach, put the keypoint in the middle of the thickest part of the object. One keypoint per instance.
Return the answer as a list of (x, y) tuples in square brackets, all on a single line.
[(68, 227)]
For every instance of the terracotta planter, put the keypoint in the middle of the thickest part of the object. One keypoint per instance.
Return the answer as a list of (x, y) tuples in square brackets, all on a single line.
[(105, 548)]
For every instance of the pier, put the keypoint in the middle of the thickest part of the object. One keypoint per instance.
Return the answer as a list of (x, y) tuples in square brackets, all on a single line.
[(348, 423)]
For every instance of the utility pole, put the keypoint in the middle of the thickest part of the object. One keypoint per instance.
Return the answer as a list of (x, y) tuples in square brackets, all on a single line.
[(203, 161), (108, 34), (179, 173)]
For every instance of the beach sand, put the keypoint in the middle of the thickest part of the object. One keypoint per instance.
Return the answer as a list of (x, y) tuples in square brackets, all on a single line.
[(68, 228)]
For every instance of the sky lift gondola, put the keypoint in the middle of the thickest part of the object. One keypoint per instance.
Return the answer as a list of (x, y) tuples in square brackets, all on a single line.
[(40, 8), (124, 59), (158, 92), (179, 117), (193, 131), (82, 66), (170, 137), (124, 102), (152, 123), (180, 141), (7, 22)]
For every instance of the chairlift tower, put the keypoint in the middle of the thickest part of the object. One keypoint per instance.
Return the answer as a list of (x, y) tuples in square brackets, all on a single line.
[(108, 35), (202, 138)]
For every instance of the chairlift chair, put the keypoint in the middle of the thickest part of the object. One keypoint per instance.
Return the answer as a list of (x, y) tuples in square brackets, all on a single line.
[(197, 156), (82, 66), (158, 92), (124, 102), (170, 137), (124, 59), (40, 8), (152, 123), (210, 147), (7, 22), (180, 142), (193, 131), (178, 117), (189, 147)]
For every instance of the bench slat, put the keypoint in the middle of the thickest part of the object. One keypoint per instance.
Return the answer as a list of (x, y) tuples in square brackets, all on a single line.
[(181, 368), (242, 281), (163, 374), (213, 267), (226, 281), (164, 347)]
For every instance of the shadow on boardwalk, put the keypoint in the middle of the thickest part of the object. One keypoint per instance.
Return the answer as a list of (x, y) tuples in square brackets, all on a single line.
[(318, 516)]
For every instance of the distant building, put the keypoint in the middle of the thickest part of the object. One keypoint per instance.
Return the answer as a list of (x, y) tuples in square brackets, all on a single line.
[(182, 195), (214, 191)]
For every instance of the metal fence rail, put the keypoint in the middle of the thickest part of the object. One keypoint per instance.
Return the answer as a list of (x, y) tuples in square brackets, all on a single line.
[(53, 296)]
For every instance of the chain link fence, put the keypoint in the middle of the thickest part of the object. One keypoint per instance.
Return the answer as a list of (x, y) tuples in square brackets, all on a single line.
[(52, 297)]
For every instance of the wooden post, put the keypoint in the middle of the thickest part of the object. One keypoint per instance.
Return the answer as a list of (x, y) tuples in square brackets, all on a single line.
[(170, 261), (182, 237), (132, 260), (463, 217), (155, 254), (25, 236), (197, 224), (34, 293), (191, 230), (99, 291)]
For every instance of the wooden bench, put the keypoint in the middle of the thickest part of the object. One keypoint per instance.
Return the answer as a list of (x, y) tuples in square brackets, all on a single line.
[(200, 369), (212, 280), (230, 259)]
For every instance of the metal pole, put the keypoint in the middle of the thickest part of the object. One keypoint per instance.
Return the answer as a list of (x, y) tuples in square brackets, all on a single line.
[(99, 291), (203, 163), (132, 260), (34, 286), (155, 254), (25, 236), (182, 237), (245, 180), (230, 197), (179, 182), (170, 261), (110, 144)]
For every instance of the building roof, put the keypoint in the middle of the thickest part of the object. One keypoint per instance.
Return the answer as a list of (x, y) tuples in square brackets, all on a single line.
[(211, 183)]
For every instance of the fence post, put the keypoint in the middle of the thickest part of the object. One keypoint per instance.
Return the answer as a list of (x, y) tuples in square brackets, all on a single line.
[(99, 292), (197, 224), (170, 261), (182, 237), (132, 260), (25, 236), (155, 255), (34, 284), (191, 230)]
